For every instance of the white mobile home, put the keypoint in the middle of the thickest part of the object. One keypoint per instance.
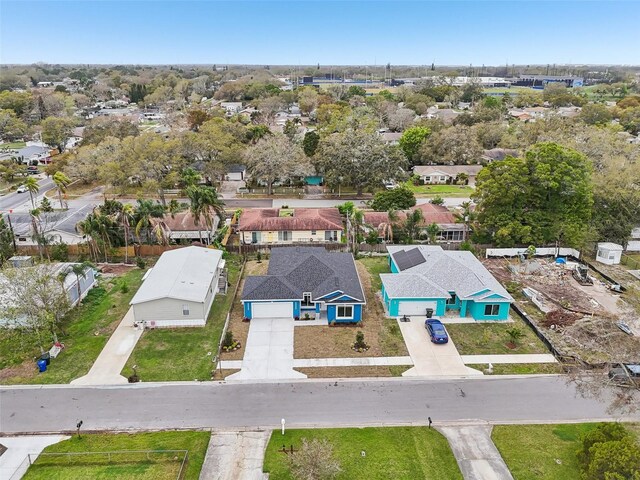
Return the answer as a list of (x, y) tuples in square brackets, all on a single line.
[(179, 290)]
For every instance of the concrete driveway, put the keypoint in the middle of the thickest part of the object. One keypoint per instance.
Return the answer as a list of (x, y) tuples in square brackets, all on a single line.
[(269, 351), (429, 358)]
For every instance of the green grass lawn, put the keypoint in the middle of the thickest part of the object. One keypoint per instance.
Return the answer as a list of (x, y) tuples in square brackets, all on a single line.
[(175, 354), (85, 331), (441, 190), (543, 452), (491, 338), (397, 452), (134, 467), (13, 145), (520, 368), (376, 266)]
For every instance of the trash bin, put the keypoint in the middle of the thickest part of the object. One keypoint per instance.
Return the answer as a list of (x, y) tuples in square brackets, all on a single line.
[(42, 365), (46, 357), (429, 312)]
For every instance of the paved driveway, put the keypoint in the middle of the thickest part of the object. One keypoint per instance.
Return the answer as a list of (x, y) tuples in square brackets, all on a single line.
[(429, 358), (269, 351)]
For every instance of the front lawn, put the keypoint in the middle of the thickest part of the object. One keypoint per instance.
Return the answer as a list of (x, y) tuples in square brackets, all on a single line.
[(396, 452), (381, 334), (541, 452), (84, 331), (519, 368), (13, 145), (491, 338), (123, 466), (442, 190), (177, 354)]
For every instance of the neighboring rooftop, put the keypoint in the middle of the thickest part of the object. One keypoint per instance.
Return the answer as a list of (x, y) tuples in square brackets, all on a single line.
[(269, 219), (184, 274), (448, 270), (451, 170), (294, 271)]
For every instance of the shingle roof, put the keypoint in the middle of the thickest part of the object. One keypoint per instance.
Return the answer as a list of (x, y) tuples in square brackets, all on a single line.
[(296, 270), (183, 274), (411, 286), (268, 219), (431, 214), (471, 170), (453, 271)]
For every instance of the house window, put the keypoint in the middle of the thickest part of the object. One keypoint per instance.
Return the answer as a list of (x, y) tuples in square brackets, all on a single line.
[(427, 179), (255, 237), (345, 311), (284, 236), (331, 235), (452, 299), (491, 310), (313, 232), (185, 310), (306, 300)]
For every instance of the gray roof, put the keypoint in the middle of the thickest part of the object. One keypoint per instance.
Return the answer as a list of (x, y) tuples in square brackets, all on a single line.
[(296, 270), (452, 271), (410, 286)]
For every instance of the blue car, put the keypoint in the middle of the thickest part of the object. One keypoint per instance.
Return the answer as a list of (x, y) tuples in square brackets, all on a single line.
[(437, 332)]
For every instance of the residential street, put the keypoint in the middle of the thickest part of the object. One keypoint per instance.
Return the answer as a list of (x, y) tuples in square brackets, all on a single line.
[(13, 201), (323, 403)]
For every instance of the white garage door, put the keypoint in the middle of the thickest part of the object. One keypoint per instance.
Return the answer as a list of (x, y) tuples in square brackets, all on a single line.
[(415, 308), (272, 310)]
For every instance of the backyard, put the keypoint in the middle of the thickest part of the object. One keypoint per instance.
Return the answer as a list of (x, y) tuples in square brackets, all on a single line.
[(542, 452), (181, 354), (397, 452), (84, 331), (123, 466), (381, 334)]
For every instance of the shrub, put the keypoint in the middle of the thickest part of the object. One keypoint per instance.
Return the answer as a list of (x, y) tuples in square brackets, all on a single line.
[(140, 263), (515, 334), (609, 452), (124, 287), (360, 343), (396, 199), (60, 252), (437, 200), (228, 340)]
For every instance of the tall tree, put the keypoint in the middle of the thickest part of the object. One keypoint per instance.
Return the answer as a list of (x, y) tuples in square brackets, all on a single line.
[(204, 201), (6, 241), (33, 188), (411, 141), (61, 181), (542, 198), (57, 131), (275, 157), (359, 159)]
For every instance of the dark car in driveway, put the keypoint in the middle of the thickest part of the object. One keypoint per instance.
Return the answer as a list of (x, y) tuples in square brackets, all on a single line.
[(436, 330)]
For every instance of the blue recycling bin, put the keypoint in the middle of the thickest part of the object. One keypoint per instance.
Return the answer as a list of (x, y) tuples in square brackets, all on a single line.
[(42, 365)]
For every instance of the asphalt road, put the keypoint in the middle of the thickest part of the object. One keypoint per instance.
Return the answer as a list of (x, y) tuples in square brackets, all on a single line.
[(304, 403), (14, 200)]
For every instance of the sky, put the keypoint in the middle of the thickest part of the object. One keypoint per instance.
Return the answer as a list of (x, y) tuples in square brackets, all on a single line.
[(307, 32)]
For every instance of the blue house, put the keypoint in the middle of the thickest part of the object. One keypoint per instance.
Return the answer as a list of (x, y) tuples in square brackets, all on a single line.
[(428, 277), (306, 283)]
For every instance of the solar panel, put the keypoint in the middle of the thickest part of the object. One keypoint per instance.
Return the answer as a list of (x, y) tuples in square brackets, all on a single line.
[(408, 258), (415, 256)]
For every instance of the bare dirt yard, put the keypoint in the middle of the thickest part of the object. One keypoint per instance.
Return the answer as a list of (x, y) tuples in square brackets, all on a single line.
[(580, 320), (381, 334), (239, 328)]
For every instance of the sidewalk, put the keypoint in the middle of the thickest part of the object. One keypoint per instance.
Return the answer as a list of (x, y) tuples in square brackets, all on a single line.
[(475, 452), (113, 357), (13, 462), (511, 358), (235, 456), (332, 362)]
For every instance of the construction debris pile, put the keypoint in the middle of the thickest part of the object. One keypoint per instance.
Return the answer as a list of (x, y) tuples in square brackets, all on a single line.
[(576, 311)]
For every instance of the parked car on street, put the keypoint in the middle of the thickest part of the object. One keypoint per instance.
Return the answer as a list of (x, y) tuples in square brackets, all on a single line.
[(21, 189), (436, 330)]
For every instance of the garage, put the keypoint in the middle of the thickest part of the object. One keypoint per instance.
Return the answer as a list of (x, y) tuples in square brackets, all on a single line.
[(410, 308), (271, 309)]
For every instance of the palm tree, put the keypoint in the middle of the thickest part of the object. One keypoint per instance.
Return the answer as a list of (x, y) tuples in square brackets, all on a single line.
[(386, 228), (204, 202), (124, 216), (467, 216), (432, 232), (61, 181), (411, 225), (80, 271), (89, 228), (33, 188), (355, 220), (145, 210)]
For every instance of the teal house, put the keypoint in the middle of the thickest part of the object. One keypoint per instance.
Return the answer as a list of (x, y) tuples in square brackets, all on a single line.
[(426, 277)]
